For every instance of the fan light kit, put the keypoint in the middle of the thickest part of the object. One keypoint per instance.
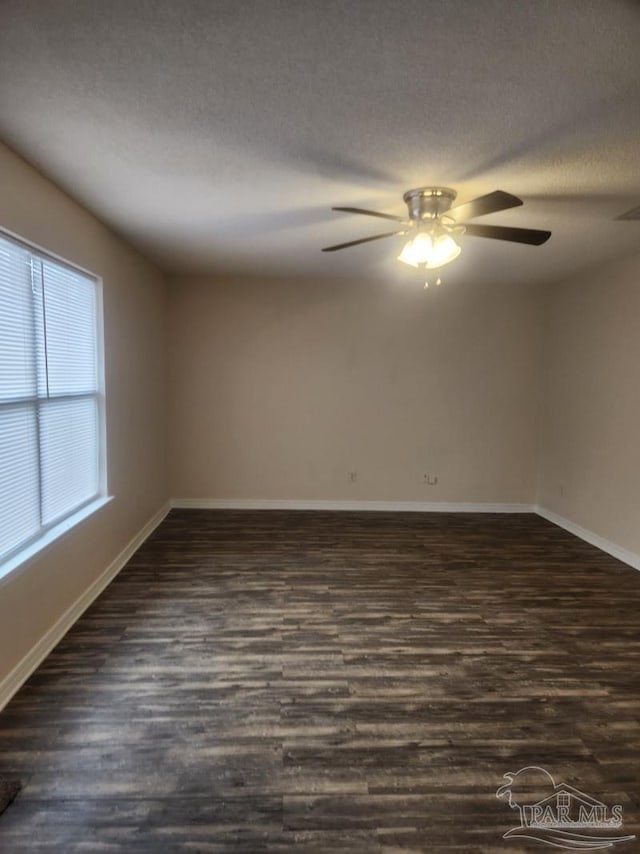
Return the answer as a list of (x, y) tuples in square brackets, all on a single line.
[(434, 226)]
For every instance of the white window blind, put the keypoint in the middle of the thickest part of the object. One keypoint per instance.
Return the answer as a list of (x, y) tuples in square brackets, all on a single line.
[(50, 396)]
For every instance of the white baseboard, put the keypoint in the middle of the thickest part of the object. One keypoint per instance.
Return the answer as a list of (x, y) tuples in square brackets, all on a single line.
[(385, 506), (611, 548), (23, 670)]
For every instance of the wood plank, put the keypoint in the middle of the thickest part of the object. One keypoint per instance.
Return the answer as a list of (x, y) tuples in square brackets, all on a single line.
[(315, 681)]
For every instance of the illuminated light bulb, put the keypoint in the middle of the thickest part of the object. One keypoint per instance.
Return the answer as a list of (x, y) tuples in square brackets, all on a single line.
[(433, 252), (417, 251), (407, 255), (422, 247), (426, 285), (444, 250), (438, 281)]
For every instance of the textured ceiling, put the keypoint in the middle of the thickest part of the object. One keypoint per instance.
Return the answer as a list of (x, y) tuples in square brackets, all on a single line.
[(216, 135)]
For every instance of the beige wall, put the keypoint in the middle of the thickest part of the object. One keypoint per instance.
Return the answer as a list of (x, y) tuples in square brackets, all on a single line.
[(590, 429), (34, 597), (280, 388)]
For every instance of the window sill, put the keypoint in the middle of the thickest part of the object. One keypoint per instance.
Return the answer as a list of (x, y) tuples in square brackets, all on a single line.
[(34, 550)]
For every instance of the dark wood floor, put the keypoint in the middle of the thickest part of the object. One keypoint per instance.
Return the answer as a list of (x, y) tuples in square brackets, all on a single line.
[(319, 682)]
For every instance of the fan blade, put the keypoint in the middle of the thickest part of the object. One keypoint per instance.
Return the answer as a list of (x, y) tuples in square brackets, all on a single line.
[(491, 203), (500, 232), (372, 213), (362, 240)]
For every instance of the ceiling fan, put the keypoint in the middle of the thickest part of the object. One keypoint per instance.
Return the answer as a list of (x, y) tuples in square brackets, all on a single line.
[(433, 225)]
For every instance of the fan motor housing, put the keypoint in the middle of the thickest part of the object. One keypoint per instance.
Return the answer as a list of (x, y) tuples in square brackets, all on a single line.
[(429, 202)]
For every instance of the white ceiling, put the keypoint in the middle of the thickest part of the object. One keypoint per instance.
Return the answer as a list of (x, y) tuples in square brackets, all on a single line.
[(216, 134)]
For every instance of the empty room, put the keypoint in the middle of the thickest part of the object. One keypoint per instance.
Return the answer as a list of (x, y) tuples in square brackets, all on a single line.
[(319, 426)]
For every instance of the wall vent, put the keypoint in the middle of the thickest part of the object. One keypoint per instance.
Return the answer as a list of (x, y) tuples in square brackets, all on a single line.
[(634, 213)]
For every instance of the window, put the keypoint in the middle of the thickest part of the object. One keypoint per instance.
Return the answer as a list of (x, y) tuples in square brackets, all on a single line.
[(51, 401)]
